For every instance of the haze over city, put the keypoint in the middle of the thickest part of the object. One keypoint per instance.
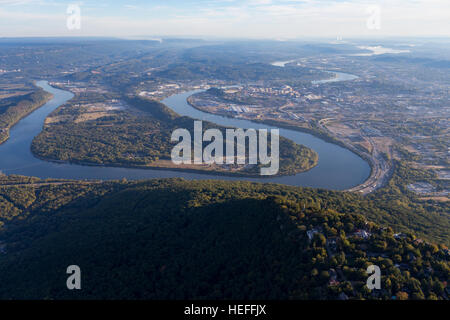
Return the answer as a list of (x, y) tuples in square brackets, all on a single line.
[(274, 19)]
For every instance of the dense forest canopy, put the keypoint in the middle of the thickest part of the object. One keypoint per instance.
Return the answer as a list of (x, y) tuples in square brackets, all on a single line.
[(174, 239)]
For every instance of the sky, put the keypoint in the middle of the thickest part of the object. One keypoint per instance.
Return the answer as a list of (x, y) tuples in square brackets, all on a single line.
[(266, 19)]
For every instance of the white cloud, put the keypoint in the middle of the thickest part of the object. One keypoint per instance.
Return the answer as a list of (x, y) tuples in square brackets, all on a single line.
[(259, 2), (251, 18)]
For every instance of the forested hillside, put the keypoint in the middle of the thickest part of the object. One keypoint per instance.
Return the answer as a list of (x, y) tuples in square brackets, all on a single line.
[(174, 239), (140, 138), (14, 109)]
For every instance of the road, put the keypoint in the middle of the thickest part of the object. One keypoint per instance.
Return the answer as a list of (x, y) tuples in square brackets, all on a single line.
[(381, 169)]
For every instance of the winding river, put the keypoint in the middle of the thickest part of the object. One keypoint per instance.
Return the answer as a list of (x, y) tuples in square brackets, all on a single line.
[(338, 168)]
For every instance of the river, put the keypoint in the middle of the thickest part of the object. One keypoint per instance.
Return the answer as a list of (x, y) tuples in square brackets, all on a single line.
[(338, 168), (338, 76)]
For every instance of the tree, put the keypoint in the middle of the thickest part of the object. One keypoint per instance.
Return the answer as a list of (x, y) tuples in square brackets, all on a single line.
[(401, 295)]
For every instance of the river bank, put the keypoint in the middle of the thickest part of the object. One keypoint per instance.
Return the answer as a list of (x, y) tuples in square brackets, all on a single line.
[(14, 114), (337, 169), (317, 133)]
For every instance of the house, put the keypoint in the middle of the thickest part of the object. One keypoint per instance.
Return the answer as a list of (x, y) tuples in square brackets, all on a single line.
[(362, 234), (311, 233), (332, 241), (333, 283), (333, 275)]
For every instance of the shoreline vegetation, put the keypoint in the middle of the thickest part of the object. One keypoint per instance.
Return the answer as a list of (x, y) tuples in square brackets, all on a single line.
[(167, 165), (397, 207), (108, 142), (14, 110)]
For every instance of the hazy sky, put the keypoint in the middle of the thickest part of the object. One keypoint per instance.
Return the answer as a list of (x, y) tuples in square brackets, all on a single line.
[(280, 19)]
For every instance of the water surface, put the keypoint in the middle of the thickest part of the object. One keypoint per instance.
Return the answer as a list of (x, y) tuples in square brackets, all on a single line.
[(338, 168)]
